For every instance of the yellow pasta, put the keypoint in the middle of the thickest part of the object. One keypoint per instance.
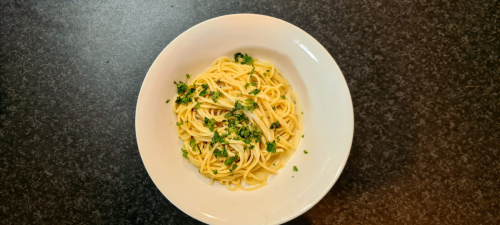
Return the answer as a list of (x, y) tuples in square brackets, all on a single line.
[(239, 122)]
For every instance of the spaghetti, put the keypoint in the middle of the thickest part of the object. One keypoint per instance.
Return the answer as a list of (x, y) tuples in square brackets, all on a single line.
[(238, 121)]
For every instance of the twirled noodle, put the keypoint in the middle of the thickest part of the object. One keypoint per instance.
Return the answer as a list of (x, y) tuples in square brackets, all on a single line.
[(238, 121)]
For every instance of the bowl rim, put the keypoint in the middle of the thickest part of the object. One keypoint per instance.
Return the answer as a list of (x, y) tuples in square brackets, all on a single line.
[(176, 39)]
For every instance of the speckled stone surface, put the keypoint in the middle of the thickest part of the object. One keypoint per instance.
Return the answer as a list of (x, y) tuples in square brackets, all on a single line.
[(424, 78)]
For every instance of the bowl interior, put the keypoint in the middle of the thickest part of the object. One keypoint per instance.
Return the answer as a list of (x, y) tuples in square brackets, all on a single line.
[(315, 78)]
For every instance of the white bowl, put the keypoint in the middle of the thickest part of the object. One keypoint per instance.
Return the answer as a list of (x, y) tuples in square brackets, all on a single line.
[(313, 75)]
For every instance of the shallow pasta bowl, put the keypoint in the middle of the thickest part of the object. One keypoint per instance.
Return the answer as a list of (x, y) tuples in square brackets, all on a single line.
[(319, 86)]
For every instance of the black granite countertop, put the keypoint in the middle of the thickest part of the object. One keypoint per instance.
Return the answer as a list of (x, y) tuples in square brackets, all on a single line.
[(424, 78)]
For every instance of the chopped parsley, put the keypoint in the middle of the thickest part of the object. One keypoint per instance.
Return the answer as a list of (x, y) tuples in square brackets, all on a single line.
[(204, 91), (265, 74), (283, 97), (193, 144), (215, 172), (305, 152), (255, 92), (251, 147), (238, 105), (216, 95), (253, 83), (303, 136), (218, 138), (197, 106), (237, 56), (220, 153), (261, 117), (184, 152), (253, 70), (302, 112), (278, 138), (251, 105), (256, 134), (218, 81), (210, 123), (246, 59), (246, 85), (233, 167), (271, 147), (187, 76), (231, 160), (179, 123), (274, 108), (186, 98), (275, 125), (244, 132), (295, 169), (168, 100), (268, 71), (181, 87)]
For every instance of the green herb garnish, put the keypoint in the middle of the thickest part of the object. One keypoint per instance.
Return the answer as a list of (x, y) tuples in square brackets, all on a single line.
[(215, 172), (204, 91), (295, 169), (193, 144), (184, 152), (251, 105), (244, 132), (246, 59), (187, 76), (271, 147), (233, 167), (237, 56), (305, 152), (283, 97), (238, 105), (275, 125), (186, 98), (255, 92), (219, 139), (168, 100), (231, 160), (216, 95), (220, 153), (179, 124), (197, 106), (246, 85), (210, 123), (181, 87)]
